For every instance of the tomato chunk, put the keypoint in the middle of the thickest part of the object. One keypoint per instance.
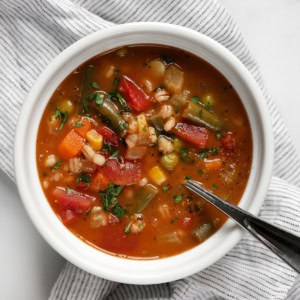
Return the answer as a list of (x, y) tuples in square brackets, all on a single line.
[(129, 173), (108, 135), (193, 134), (74, 201), (99, 182), (134, 95), (228, 141), (67, 216)]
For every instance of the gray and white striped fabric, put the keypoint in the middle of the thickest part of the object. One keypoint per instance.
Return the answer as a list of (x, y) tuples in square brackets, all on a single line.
[(33, 32)]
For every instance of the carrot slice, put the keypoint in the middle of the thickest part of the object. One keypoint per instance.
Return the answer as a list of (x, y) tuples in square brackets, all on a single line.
[(213, 164), (70, 145), (86, 126)]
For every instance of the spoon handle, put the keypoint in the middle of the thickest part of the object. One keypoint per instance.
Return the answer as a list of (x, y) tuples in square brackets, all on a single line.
[(282, 243)]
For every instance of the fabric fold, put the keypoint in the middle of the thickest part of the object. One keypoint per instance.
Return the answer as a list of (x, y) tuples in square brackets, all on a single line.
[(32, 33)]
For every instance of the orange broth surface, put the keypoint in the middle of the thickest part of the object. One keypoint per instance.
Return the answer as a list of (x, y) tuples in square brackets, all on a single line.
[(173, 220)]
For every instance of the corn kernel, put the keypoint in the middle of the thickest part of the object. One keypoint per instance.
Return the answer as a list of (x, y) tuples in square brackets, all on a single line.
[(95, 139), (142, 123), (66, 106), (157, 175)]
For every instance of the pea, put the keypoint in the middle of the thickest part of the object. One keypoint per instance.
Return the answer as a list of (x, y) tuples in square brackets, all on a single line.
[(169, 161), (178, 145)]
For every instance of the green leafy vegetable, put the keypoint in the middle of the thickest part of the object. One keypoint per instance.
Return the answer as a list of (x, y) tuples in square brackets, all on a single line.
[(95, 85), (57, 165), (195, 99), (115, 154), (167, 59), (62, 116), (205, 151), (109, 200), (184, 155), (68, 190), (99, 99), (165, 188), (177, 198), (127, 228), (84, 177), (85, 91), (214, 186)]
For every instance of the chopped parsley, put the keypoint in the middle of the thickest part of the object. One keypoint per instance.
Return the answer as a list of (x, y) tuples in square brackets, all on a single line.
[(107, 147), (188, 177), (116, 71), (195, 99), (116, 82), (127, 228), (115, 154), (84, 177), (177, 198), (184, 154), (109, 200), (114, 96), (165, 188), (95, 85), (62, 116), (68, 190), (214, 186), (78, 124), (196, 208), (205, 151), (119, 211), (167, 59), (218, 135), (99, 99), (200, 172), (57, 165)]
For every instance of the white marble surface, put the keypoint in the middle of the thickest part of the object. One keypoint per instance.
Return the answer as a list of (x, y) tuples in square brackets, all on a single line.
[(271, 28)]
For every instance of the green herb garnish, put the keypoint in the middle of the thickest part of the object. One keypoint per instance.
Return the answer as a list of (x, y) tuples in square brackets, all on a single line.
[(78, 124), (115, 154), (84, 177), (62, 116), (165, 188), (196, 208), (57, 165), (214, 186), (218, 135), (116, 71), (205, 151), (200, 172), (167, 59), (95, 85), (195, 99), (184, 154), (109, 200), (127, 229), (177, 198), (188, 177), (99, 99), (68, 190)]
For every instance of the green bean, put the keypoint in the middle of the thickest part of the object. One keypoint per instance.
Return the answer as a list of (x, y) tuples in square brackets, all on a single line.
[(199, 115)]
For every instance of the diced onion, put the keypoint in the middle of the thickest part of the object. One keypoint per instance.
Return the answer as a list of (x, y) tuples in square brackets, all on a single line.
[(136, 152), (98, 217)]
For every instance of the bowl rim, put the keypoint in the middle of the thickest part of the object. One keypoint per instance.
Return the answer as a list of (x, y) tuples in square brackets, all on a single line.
[(60, 238)]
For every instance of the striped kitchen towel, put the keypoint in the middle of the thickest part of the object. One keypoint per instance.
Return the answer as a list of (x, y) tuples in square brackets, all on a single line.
[(33, 32)]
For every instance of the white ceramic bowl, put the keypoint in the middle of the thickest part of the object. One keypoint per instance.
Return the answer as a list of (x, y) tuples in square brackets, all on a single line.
[(43, 217)]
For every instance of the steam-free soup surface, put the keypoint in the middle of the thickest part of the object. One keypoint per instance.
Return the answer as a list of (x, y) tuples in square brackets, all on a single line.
[(120, 136)]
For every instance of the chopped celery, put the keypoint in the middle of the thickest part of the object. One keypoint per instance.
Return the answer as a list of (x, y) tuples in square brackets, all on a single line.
[(143, 196), (204, 231), (199, 115), (170, 238)]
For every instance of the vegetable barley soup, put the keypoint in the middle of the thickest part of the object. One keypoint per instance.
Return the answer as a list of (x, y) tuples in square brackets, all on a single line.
[(120, 136)]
